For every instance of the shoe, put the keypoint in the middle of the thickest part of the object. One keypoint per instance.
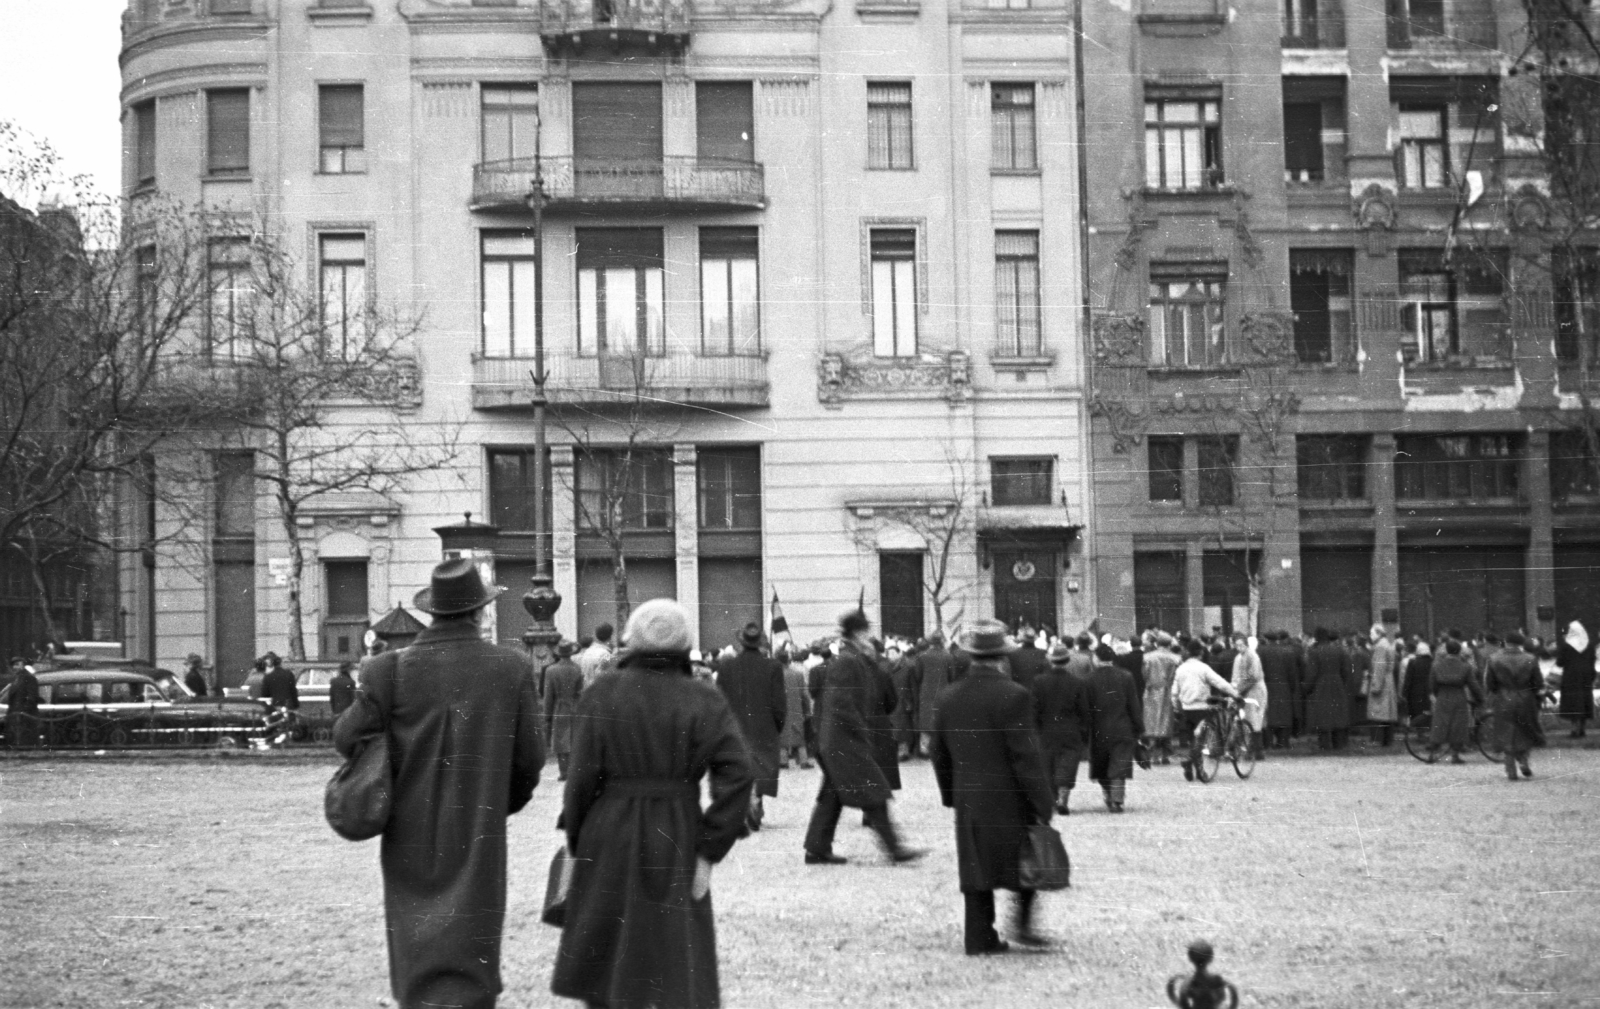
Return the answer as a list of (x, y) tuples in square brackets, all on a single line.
[(1032, 940), (1116, 807), (1455, 759), (806, 765), (812, 858), (1188, 772), (753, 823), (1000, 946), (1061, 809), (1430, 758), (1527, 772), (907, 855)]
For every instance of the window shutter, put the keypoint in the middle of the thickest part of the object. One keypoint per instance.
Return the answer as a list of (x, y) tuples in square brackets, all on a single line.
[(228, 131), (727, 243), (605, 248), (144, 128), (341, 115), (725, 120), (616, 122)]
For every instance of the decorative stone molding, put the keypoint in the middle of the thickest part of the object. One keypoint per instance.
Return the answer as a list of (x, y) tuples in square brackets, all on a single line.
[(840, 379), (785, 97), (447, 99), (1528, 210), (1269, 335), (1119, 338), (1138, 223), (1124, 420), (1375, 208)]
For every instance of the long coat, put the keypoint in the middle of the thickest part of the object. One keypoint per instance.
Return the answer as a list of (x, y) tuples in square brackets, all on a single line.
[(1026, 663), (22, 711), (1326, 687), (1513, 682), (1450, 680), (463, 723), (1117, 710), (986, 760), (1382, 683), (797, 707), (1061, 712), (634, 936), (880, 721), (844, 740), (1280, 667), (563, 684), (1415, 687), (1356, 684), (1159, 665), (935, 671), (1249, 679), (753, 684), (1577, 681), (902, 671)]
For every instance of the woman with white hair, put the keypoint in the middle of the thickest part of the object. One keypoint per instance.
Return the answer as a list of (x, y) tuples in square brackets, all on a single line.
[(639, 930), (1575, 656)]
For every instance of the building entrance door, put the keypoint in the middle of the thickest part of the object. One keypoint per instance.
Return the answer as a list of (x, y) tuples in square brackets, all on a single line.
[(1025, 588)]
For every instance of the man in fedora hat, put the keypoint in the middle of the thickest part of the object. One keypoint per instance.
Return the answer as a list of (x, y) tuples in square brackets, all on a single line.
[(753, 684), (563, 682), (851, 775), (1116, 705), (986, 759), (462, 719), (1061, 713)]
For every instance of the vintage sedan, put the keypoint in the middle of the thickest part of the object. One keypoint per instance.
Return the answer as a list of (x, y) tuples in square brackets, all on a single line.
[(131, 707)]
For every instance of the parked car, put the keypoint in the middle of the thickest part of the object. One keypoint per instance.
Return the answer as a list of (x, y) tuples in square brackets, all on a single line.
[(134, 707)]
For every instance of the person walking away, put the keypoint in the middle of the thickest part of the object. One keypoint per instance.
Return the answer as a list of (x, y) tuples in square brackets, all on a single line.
[(1082, 658), (1280, 669), (194, 674), (1027, 661), (563, 686), (987, 762), (640, 930), (462, 721), (1250, 681), (906, 737), (596, 659), (1062, 719), (1416, 685), (753, 684), (1159, 664), (341, 689), (22, 708), (1327, 691), (1130, 656), (850, 772), (279, 689), (1450, 684), (1575, 655), (1116, 708), (1512, 681), (1382, 686), (880, 721), (935, 671), (1192, 684), (797, 709)]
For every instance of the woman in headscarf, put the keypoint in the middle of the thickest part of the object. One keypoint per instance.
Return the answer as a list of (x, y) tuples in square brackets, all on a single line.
[(639, 931), (1251, 683), (1575, 656)]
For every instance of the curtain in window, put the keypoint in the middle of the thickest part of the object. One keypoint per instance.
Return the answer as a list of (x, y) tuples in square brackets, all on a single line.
[(1016, 267), (228, 132)]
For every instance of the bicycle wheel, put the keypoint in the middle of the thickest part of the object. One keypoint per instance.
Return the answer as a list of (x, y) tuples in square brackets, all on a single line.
[(1210, 750), (1418, 731), (1240, 751), (1488, 744)]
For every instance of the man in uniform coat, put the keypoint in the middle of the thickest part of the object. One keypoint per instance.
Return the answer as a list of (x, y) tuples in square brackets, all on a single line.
[(463, 724), (1027, 661), (752, 682), (986, 759), (1326, 690), (1061, 715), (935, 671), (1280, 664), (563, 683), (1116, 708), (851, 775), (1512, 680)]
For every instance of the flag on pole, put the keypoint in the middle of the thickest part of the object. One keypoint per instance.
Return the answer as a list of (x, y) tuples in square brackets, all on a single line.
[(861, 600), (779, 625)]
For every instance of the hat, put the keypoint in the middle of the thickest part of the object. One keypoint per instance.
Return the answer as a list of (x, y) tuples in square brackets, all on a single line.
[(193, 657), (853, 621), (1059, 653), (987, 638), (751, 635), (657, 627), (455, 588), (566, 649)]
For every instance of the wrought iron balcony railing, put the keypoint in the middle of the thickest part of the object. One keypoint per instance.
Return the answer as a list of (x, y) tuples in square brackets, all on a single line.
[(696, 183), (506, 383), (575, 25)]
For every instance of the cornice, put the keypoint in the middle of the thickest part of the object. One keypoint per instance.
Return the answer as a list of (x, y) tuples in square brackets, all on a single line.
[(181, 33), (182, 79)]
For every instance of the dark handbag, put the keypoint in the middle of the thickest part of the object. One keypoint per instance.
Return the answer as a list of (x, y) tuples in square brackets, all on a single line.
[(557, 888), (357, 799), (1044, 864)]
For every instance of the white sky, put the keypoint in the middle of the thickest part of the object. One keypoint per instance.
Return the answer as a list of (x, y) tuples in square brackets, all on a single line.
[(59, 80)]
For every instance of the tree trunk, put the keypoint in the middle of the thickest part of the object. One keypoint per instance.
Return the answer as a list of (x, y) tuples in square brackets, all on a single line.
[(291, 531), (41, 594), (619, 586)]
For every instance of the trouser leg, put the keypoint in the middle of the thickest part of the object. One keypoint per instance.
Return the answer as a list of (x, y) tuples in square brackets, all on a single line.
[(1022, 913), (980, 934), (1117, 792), (877, 818), (1511, 765), (824, 820), (561, 764)]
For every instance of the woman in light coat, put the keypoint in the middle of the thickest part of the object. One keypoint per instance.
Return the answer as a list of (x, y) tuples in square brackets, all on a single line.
[(1382, 685), (1159, 663), (1251, 682)]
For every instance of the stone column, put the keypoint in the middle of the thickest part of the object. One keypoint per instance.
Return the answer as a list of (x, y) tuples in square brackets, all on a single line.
[(1540, 587), (563, 537), (686, 528), (1385, 539), (1195, 576)]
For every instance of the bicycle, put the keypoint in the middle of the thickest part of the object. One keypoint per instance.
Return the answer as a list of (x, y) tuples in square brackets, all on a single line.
[(1225, 732), (1480, 735)]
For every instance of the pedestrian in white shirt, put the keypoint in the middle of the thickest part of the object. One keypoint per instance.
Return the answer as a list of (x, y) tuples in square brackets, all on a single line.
[(1192, 684), (597, 658)]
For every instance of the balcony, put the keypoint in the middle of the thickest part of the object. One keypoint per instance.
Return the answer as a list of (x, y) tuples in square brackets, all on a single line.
[(691, 184), (504, 383), (656, 27)]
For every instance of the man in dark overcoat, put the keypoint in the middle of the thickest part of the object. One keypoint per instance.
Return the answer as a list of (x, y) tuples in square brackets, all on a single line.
[(278, 686), (986, 759), (1575, 656), (935, 671), (1062, 717), (752, 681), (880, 721), (1027, 661), (563, 684), (341, 689), (1116, 708), (463, 725), (22, 708), (1280, 666), (1513, 683), (194, 674), (1327, 691), (851, 775), (907, 739)]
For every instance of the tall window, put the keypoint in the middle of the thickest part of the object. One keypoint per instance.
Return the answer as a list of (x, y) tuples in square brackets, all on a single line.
[(900, 594), (1577, 293), (508, 286), (341, 128), (1573, 468), (1428, 307), (624, 489), (342, 262), (345, 614), (144, 143), (621, 307), (510, 121), (1319, 297), (725, 120), (894, 292), (1021, 481), (235, 493), (1186, 317), (1423, 161), (1166, 468), (1182, 144), (1018, 328), (1424, 17), (730, 304), (511, 488), (729, 481), (1300, 23), (1302, 141), (228, 278), (147, 286), (889, 124), (1011, 121), (1456, 467), (1218, 458), (1331, 467), (228, 131)]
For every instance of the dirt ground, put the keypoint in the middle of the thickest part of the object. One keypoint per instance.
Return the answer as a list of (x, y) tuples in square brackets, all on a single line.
[(1355, 881)]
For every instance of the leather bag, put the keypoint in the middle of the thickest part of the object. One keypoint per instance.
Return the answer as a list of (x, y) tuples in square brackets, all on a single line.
[(1043, 864), (357, 799), (557, 888)]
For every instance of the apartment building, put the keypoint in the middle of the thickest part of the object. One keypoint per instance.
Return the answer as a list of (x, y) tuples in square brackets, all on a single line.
[(810, 280), (1332, 363)]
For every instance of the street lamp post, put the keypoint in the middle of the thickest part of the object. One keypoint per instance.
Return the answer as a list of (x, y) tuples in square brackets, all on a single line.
[(542, 600)]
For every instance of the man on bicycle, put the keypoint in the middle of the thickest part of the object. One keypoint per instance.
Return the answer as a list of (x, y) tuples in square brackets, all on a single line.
[(1192, 685)]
